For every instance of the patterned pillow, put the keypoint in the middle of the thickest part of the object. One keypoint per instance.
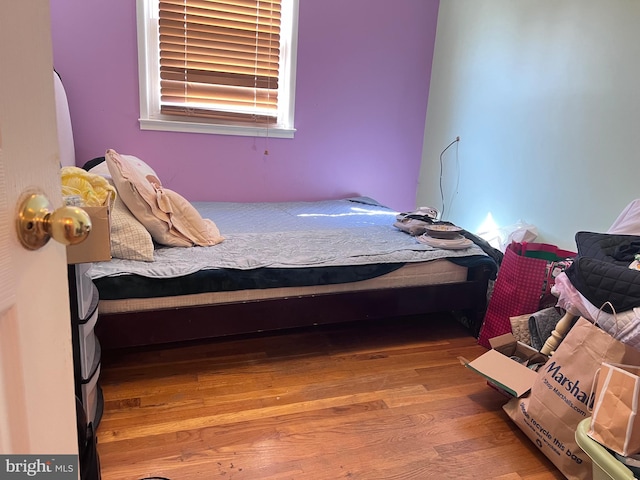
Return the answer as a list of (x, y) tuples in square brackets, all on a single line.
[(170, 218), (129, 239)]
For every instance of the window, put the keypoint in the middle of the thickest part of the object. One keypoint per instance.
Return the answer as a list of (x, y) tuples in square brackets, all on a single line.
[(218, 66)]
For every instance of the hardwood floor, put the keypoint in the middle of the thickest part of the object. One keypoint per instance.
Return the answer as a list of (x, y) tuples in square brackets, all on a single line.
[(374, 400)]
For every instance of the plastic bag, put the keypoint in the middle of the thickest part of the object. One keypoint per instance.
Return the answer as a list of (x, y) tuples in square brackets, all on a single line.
[(519, 232), (501, 237)]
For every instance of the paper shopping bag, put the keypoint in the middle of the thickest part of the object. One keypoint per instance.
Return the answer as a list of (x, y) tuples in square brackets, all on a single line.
[(561, 396), (527, 273), (614, 421)]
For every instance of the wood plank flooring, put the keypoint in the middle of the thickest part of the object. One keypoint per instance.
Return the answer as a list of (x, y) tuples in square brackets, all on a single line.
[(374, 400)]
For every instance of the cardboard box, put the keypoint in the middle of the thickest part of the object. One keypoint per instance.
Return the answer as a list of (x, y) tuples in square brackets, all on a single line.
[(97, 246), (502, 371)]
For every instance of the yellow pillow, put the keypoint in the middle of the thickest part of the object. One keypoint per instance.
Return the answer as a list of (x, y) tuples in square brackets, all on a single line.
[(93, 190)]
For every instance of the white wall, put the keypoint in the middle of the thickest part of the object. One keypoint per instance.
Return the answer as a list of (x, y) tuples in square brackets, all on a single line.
[(545, 96)]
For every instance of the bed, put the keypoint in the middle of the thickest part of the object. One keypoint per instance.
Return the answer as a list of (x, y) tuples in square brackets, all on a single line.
[(285, 265), (192, 270)]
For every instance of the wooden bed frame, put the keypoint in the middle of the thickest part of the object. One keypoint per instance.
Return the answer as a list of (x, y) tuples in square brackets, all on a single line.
[(131, 329)]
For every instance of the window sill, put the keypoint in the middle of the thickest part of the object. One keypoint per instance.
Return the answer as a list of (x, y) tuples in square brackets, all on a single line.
[(195, 127)]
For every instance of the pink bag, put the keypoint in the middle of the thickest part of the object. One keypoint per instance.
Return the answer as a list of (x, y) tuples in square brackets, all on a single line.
[(523, 285)]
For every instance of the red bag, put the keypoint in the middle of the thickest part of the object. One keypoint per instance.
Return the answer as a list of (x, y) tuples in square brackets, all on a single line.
[(523, 285)]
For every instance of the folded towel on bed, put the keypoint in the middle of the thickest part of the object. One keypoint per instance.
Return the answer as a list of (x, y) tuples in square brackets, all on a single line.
[(411, 226)]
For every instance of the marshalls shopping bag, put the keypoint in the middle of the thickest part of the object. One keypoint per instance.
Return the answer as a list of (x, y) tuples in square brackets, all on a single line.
[(561, 396), (614, 421)]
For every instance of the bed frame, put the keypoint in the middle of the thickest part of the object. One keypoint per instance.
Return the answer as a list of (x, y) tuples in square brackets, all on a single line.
[(469, 298)]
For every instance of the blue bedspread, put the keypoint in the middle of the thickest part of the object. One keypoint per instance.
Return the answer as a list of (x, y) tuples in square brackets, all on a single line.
[(355, 231)]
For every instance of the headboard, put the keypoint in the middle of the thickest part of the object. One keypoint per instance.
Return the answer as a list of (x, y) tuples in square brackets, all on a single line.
[(63, 117)]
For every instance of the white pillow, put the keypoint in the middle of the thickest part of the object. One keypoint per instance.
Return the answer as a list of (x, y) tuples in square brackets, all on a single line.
[(102, 170)]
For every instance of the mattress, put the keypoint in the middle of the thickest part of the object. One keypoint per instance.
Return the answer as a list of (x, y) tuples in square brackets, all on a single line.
[(274, 250), (412, 274)]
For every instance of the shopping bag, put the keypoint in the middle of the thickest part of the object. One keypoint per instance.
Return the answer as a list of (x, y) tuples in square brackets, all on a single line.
[(561, 395), (614, 421), (523, 285)]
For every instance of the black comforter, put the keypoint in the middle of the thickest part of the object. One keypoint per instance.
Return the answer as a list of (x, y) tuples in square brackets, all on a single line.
[(601, 270)]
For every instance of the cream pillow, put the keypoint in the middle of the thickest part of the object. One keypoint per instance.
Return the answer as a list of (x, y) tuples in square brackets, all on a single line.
[(170, 218), (129, 239)]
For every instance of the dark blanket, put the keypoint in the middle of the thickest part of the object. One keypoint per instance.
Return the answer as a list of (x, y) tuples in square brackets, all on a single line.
[(601, 273)]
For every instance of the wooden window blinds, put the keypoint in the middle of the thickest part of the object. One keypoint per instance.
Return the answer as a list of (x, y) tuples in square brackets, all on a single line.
[(220, 59)]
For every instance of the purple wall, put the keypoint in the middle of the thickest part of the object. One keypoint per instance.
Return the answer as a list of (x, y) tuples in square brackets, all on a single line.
[(360, 125)]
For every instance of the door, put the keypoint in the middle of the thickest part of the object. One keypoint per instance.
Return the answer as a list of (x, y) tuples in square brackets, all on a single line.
[(37, 402)]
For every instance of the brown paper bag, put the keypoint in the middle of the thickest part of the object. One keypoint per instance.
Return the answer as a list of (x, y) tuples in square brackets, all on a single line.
[(615, 422), (561, 395)]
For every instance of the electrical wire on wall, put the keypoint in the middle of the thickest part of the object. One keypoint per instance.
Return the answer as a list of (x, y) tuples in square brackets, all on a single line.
[(442, 216)]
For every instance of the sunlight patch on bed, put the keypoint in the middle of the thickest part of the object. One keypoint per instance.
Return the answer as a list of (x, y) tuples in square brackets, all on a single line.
[(353, 212)]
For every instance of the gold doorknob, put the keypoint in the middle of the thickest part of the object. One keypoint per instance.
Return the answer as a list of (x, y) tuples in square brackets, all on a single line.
[(37, 223)]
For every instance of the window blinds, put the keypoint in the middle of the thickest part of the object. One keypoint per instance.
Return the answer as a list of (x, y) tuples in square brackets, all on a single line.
[(220, 59)]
